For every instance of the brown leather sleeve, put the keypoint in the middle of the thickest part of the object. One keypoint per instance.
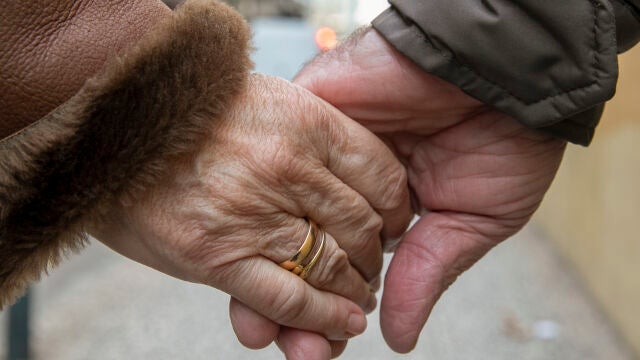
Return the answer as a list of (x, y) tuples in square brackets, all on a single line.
[(48, 48), (117, 136)]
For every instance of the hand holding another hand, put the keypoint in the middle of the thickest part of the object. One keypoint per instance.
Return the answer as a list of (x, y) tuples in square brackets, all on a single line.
[(237, 208), (479, 174)]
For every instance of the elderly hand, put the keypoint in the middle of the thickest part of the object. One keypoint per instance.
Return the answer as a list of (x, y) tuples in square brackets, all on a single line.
[(237, 208), (479, 174)]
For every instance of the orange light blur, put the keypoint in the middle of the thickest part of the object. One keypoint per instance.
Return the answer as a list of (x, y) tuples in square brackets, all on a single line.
[(326, 38)]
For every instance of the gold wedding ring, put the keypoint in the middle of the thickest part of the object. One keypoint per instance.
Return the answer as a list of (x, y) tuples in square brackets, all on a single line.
[(307, 268), (296, 264)]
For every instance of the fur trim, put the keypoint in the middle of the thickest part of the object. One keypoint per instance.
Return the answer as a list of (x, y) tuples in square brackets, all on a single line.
[(116, 136)]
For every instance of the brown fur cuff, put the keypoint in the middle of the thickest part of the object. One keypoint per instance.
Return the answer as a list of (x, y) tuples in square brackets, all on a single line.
[(116, 136)]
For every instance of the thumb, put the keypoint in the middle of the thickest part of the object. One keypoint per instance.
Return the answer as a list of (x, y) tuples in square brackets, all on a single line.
[(358, 63), (323, 75), (431, 256)]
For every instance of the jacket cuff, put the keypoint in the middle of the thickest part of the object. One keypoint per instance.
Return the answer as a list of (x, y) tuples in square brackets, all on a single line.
[(117, 136), (523, 57)]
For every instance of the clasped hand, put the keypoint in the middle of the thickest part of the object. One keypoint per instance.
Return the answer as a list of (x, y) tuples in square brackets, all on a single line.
[(237, 207), (477, 174)]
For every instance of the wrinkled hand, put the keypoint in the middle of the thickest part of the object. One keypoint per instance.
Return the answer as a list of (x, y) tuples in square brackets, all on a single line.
[(235, 209), (479, 173)]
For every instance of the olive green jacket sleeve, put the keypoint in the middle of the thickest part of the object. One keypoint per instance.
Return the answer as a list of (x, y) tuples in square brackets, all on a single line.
[(549, 64)]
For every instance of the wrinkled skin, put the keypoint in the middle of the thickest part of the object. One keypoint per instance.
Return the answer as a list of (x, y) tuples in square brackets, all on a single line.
[(478, 174), (230, 212)]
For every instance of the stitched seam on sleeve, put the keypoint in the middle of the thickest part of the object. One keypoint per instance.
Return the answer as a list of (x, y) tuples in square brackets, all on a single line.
[(594, 63)]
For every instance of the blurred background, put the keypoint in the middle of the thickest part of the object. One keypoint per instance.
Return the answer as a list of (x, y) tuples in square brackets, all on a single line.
[(566, 287)]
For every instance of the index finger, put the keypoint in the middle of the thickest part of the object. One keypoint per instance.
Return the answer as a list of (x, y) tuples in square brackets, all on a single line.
[(288, 300), (366, 164)]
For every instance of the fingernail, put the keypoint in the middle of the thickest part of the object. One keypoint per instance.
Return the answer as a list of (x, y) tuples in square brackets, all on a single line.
[(373, 302), (357, 324)]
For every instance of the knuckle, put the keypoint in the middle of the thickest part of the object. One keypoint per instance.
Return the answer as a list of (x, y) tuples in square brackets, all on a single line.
[(366, 226), (287, 166), (365, 249), (290, 307), (396, 189), (337, 264), (360, 211), (358, 218), (361, 249), (323, 120), (281, 241), (369, 228), (330, 135), (312, 117), (277, 156), (374, 224)]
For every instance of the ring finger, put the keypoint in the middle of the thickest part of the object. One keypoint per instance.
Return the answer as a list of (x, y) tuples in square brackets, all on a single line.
[(332, 272)]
